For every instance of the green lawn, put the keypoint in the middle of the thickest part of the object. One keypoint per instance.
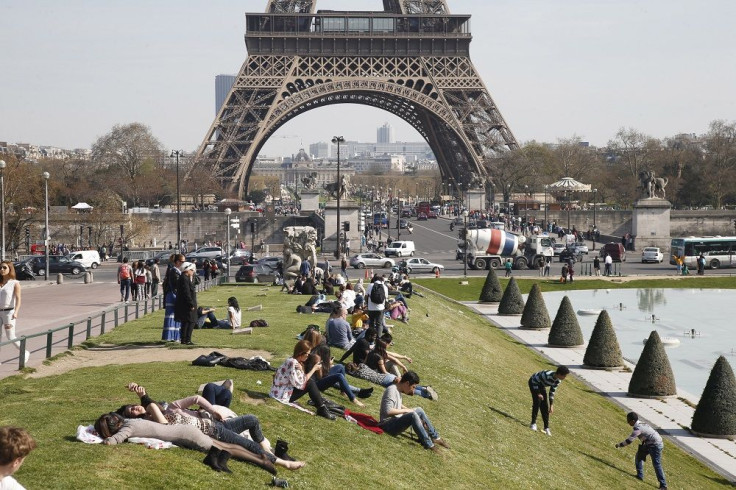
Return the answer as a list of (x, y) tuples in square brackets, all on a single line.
[(479, 372)]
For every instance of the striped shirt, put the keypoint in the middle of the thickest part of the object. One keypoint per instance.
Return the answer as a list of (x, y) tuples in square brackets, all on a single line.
[(647, 435), (542, 379)]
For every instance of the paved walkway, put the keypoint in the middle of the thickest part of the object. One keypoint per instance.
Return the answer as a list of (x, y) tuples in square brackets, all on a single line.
[(670, 416)]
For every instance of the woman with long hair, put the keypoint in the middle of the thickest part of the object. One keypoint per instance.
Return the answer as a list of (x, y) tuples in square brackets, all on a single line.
[(185, 309), (292, 380), (9, 303), (139, 280), (172, 328)]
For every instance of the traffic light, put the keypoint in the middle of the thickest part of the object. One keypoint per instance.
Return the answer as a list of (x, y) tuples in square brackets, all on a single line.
[(28, 231), (346, 225), (252, 226)]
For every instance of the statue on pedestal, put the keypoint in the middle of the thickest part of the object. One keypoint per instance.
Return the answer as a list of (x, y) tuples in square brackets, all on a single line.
[(300, 243), (652, 184), (343, 187), (310, 181)]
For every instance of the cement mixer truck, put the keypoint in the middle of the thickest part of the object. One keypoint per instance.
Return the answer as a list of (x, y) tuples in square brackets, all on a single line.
[(491, 248)]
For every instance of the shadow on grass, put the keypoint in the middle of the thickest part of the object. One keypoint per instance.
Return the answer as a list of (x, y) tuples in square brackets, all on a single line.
[(129, 346), (595, 458), (507, 415), (722, 481)]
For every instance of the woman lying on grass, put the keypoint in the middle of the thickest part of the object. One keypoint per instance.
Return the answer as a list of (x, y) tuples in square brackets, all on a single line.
[(211, 420), (116, 429), (320, 354)]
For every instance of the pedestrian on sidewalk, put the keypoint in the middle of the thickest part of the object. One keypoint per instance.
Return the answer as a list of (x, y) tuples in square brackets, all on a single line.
[(9, 303), (125, 279), (507, 266), (155, 277), (538, 384), (608, 263), (651, 444), (597, 266), (172, 328)]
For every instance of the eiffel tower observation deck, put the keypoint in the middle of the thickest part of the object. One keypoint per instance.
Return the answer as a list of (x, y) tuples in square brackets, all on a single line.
[(412, 59)]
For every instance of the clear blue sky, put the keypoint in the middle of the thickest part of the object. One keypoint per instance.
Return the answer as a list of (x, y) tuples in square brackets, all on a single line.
[(71, 69)]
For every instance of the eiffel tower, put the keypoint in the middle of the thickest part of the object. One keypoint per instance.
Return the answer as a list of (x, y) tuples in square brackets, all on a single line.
[(412, 59)]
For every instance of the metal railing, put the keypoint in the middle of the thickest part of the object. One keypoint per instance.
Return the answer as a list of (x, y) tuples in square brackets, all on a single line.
[(98, 323)]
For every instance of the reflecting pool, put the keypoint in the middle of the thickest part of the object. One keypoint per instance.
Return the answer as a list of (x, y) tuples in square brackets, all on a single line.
[(675, 313)]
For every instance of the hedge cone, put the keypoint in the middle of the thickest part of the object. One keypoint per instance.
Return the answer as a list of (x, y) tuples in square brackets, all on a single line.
[(512, 303), (603, 351), (535, 314), (653, 374), (565, 330), (492, 292), (716, 411)]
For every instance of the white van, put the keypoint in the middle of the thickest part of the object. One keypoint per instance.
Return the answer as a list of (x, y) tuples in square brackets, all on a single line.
[(88, 258), (400, 249)]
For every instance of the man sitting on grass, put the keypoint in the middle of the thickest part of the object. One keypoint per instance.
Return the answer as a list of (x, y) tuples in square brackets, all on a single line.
[(396, 418)]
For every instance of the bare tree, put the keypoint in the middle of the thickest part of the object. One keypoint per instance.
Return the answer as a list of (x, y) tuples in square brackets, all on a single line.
[(720, 160)]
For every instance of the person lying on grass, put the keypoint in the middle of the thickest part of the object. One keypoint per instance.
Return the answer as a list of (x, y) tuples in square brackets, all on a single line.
[(396, 418), (320, 353), (116, 429), (292, 380), (209, 420)]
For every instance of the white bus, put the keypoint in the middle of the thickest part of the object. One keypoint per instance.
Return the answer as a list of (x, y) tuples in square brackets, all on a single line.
[(719, 251)]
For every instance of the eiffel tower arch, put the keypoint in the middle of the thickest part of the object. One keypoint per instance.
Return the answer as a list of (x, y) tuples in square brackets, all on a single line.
[(411, 59)]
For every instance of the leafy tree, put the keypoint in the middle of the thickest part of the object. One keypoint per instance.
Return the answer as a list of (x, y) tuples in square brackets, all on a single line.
[(565, 331), (653, 375), (535, 315), (512, 302), (491, 292), (603, 350)]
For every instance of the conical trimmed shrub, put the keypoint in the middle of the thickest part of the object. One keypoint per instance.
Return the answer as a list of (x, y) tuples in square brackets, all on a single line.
[(565, 330), (716, 411), (512, 303), (492, 292), (603, 350), (653, 374), (535, 314)]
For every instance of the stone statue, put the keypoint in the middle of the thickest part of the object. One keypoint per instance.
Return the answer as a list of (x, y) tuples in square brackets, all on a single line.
[(476, 181), (652, 184), (342, 187), (310, 181), (301, 244)]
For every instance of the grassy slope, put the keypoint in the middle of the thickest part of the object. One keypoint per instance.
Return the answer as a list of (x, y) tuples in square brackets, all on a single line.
[(483, 412)]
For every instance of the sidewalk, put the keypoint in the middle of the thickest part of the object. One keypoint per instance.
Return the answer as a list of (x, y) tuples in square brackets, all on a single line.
[(670, 415)]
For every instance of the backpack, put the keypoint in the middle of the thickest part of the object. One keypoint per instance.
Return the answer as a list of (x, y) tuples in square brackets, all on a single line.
[(124, 271), (378, 293)]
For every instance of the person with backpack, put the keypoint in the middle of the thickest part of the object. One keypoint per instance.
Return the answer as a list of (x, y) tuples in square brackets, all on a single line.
[(125, 279), (377, 293)]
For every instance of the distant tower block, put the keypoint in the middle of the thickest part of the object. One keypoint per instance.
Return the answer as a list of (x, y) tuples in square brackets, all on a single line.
[(414, 63)]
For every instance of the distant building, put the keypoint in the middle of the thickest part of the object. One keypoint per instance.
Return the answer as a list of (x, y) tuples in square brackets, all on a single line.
[(319, 150), (223, 84), (385, 134)]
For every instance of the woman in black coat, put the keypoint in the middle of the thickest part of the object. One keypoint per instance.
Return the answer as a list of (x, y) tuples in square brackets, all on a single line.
[(185, 310)]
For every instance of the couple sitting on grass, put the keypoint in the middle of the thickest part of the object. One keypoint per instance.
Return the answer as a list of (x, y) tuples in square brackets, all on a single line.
[(213, 428)]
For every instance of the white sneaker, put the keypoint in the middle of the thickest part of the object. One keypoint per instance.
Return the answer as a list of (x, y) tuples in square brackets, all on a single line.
[(533, 426), (547, 431)]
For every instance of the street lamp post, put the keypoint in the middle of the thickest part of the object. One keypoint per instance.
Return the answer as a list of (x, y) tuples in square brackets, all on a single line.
[(465, 244), (2, 206), (337, 140), (228, 211), (177, 154), (526, 206), (595, 198), (398, 215), (46, 176), (567, 193), (546, 223)]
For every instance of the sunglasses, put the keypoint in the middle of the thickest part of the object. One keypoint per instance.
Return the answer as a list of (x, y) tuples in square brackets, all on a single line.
[(4, 267)]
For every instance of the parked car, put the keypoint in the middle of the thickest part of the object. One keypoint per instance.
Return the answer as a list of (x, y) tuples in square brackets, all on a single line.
[(57, 264), (419, 264), (651, 254), (255, 273), (162, 256), (270, 262), (579, 248), (206, 253), (570, 253), (557, 248), (371, 260)]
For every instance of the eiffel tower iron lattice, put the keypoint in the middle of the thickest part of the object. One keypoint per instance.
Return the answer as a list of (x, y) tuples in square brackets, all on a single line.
[(412, 59)]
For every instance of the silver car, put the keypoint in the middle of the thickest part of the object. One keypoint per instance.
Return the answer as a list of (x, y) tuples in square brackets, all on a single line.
[(418, 264), (371, 260)]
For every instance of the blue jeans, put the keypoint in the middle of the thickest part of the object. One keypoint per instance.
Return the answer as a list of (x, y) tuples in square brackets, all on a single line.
[(125, 288), (417, 420), (340, 369), (337, 378), (230, 429), (656, 453), (217, 395)]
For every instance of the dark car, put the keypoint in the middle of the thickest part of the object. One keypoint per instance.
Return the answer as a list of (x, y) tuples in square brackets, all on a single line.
[(162, 256), (270, 262), (568, 254), (255, 273), (199, 263), (421, 217), (57, 264), (432, 215), (403, 224)]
